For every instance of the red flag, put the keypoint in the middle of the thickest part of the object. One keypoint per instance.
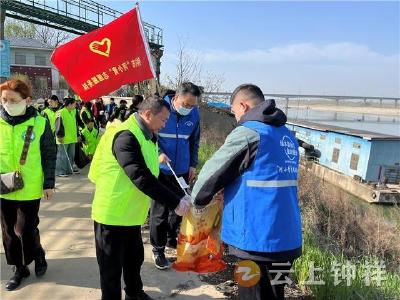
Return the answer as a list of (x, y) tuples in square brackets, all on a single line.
[(103, 60)]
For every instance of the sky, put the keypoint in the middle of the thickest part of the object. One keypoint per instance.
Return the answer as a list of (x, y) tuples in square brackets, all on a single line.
[(328, 48)]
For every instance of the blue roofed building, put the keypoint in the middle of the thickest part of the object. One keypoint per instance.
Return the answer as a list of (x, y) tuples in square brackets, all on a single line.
[(360, 154)]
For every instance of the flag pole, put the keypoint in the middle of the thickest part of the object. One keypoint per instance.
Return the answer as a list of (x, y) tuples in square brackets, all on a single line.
[(158, 88)]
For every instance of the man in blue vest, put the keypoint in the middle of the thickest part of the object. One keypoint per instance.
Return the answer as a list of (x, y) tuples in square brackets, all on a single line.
[(257, 168), (178, 145)]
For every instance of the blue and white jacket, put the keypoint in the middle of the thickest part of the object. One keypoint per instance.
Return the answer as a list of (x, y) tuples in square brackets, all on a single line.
[(179, 140), (257, 168)]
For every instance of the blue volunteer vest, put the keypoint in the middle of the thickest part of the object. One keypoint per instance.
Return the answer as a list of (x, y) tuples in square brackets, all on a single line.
[(261, 211), (173, 139)]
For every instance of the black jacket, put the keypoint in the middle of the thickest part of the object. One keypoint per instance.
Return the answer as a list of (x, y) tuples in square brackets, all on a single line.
[(127, 151), (48, 148)]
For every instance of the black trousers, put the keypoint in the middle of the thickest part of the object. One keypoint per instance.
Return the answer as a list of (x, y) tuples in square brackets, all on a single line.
[(119, 250), (21, 239), (272, 282), (164, 222)]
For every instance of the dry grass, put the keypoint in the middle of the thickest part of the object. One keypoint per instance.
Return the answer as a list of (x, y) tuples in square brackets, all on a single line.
[(341, 225)]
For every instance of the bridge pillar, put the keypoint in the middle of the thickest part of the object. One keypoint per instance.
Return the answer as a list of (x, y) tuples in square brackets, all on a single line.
[(337, 101), (396, 103), (287, 106), (365, 101), (380, 102)]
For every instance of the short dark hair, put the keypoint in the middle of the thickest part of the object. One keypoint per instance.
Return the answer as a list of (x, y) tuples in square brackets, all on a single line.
[(136, 100), (188, 88), (169, 92), (154, 104), (54, 97), (112, 99), (68, 101), (251, 91), (123, 102), (88, 105)]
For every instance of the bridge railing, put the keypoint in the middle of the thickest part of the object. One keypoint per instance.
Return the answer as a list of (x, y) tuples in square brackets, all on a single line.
[(337, 99)]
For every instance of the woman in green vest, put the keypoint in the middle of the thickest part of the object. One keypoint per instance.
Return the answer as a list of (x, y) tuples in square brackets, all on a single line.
[(27, 146), (86, 113), (125, 171), (50, 112)]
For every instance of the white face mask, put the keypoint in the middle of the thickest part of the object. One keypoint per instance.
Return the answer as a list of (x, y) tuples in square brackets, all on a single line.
[(184, 111), (17, 109)]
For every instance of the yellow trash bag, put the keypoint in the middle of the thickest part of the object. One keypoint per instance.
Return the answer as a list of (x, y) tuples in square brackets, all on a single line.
[(199, 242)]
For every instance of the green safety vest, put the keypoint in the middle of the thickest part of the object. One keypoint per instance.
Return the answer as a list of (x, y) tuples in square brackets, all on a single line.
[(70, 129), (117, 201), (91, 140), (11, 143), (51, 115)]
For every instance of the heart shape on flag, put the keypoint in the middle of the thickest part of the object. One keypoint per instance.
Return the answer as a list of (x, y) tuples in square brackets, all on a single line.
[(98, 47)]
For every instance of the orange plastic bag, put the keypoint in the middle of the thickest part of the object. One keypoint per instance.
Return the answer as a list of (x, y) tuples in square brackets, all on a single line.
[(199, 241)]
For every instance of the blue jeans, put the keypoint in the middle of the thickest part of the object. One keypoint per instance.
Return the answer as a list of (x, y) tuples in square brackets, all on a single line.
[(65, 159)]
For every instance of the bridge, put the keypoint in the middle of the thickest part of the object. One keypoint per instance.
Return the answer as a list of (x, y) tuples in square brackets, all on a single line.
[(299, 107), (224, 97)]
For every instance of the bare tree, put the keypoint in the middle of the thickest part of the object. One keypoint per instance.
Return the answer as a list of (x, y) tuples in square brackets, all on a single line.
[(189, 68), (47, 35), (51, 36)]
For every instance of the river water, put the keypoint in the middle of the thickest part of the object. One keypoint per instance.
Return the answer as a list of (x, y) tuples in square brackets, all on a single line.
[(376, 123)]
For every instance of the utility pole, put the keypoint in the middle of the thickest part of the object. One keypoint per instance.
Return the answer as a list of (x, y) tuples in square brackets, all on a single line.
[(2, 20), (2, 23)]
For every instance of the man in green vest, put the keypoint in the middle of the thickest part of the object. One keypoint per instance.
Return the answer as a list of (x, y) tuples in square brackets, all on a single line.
[(50, 112), (125, 170), (66, 131)]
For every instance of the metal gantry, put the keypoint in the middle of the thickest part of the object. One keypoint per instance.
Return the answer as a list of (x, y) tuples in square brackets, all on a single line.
[(75, 16)]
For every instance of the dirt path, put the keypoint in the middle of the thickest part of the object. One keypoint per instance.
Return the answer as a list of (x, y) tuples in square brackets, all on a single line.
[(67, 236)]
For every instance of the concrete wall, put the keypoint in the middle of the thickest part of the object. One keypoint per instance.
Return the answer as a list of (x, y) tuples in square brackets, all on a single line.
[(383, 153), (360, 190), (33, 70), (30, 55)]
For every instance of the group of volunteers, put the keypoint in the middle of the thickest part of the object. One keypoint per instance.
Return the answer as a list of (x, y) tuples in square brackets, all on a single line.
[(134, 166)]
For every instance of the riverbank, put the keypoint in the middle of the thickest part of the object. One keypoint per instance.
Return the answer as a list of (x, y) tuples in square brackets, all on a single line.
[(348, 249)]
